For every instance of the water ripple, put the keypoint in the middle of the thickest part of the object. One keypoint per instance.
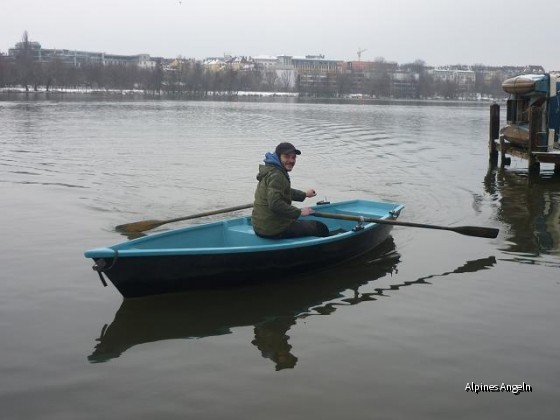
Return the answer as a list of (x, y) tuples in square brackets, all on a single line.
[(165, 157)]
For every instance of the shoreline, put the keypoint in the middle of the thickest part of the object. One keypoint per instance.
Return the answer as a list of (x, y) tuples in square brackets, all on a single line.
[(42, 93)]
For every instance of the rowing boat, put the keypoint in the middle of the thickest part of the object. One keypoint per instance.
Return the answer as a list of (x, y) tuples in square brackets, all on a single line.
[(228, 253), (267, 309)]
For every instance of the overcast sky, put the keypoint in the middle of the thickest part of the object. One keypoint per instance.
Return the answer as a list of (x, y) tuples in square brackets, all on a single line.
[(439, 32)]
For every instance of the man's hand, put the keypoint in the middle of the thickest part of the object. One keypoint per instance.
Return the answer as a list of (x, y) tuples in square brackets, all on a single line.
[(306, 211), (310, 193)]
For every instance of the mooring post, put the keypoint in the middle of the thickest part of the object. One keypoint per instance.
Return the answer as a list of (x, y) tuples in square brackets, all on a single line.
[(535, 114), (503, 159), (494, 132)]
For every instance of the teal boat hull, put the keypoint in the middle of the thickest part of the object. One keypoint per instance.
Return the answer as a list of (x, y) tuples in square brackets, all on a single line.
[(228, 253)]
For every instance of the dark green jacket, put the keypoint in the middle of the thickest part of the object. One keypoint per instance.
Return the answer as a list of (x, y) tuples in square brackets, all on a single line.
[(272, 210)]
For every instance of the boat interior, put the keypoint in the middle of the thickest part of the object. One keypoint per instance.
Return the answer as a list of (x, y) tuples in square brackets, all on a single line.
[(239, 232), (230, 233)]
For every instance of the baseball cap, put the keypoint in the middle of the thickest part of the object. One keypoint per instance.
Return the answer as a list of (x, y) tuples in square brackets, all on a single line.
[(286, 148)]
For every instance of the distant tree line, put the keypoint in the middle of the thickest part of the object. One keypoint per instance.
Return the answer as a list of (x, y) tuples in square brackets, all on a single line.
[(193, 79), (190, 78)]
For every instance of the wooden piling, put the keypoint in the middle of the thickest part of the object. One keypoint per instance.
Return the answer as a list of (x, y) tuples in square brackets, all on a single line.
[(494, 132), (535, 115), (503, 159)]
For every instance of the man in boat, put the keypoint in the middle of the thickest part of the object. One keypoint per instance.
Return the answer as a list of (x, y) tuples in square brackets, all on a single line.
[(273, 214)]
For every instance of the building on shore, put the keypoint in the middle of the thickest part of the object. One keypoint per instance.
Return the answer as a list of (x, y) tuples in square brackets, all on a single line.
[(309, 75), (78, 58)]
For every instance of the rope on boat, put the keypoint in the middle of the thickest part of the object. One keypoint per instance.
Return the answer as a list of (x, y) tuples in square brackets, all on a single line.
[(99, 266)]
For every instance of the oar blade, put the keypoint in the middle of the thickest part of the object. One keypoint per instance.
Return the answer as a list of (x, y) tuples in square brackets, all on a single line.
[(139, 226), (479, 231)]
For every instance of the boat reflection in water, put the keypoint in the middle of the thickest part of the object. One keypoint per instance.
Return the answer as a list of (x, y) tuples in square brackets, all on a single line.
[(272, 308), (530, 206)]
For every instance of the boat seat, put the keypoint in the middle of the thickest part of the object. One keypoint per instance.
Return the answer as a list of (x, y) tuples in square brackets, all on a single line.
[(242, 228), (241, 235), (244, 235)]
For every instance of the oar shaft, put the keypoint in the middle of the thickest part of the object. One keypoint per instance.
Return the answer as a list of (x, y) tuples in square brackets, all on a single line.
[(482, 232), (372, 220), (144, 225), (211, 213)]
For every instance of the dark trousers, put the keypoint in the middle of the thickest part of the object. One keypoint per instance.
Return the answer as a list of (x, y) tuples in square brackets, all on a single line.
[(301, 228)]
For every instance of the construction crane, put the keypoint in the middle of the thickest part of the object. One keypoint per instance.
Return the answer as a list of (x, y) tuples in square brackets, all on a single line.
[(360, 51)]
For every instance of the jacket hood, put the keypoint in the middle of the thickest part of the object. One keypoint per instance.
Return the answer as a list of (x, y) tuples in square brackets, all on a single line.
[(272, 159), (271, 163)]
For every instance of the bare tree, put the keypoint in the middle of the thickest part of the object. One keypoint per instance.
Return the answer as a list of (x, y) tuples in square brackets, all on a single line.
[(7, 72), (24, 62), (270, 78), (343, 83), (287, 80), (53, 73), (154, 78)]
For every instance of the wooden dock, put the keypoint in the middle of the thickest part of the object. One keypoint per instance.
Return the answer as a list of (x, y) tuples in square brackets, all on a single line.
[(534, 153)]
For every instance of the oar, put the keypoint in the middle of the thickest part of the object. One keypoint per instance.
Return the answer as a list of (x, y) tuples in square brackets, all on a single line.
[(482, 232), (151, 224)]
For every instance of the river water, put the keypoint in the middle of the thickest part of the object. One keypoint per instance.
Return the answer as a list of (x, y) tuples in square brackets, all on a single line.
[(404, 332)]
